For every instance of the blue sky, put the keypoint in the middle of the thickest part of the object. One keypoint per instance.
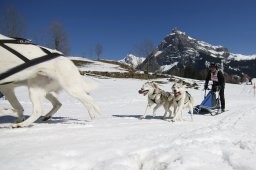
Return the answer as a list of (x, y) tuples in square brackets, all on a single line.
[(121, 24)]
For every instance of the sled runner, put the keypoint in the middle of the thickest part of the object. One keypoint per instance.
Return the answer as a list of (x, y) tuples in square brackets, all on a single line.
[(210, 104)]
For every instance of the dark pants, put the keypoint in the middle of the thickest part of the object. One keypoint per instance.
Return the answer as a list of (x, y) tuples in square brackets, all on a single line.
[(221, 94), (222, 98), (1, 95)]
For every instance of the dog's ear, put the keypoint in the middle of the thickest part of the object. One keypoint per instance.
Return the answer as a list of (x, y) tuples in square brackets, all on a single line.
[(180, 81), (148, 82), (154, 85)]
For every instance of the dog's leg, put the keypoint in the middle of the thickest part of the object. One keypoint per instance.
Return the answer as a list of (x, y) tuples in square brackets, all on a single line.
[(76, 90), (56, 105), (87, 102), (179, 109), (145, 113), (178, 114), (171, 111), (155, 108), (167, 107), (191, 110), (165, 113), (181, 116), (150, 103), (174, 113), (11, 97), (37, 95), (75, 86)]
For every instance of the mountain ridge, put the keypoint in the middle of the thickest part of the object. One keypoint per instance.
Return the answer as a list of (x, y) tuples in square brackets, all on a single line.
[(178, 52)]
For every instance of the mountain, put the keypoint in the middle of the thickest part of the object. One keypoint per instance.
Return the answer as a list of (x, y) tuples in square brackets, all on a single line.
[(182, 55), (132, 60)]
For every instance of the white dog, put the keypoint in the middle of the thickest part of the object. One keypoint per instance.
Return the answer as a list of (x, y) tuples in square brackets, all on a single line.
[(44, 72), (182, 99), (156, 96)]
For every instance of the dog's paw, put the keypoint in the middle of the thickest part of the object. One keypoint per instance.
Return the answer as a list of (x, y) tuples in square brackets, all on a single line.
[(46, 118), (171, 117), (171, 120), (16, 125), (142, 117), (92, 116), (19, 125)]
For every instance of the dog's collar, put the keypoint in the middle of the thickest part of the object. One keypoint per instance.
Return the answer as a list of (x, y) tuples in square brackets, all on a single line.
[(177, 94)]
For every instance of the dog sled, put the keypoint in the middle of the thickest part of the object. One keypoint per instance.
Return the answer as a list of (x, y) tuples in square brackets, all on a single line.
[(210, 104)]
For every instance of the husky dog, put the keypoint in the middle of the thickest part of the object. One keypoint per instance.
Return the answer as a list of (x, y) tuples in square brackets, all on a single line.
[(182, 99), (156, 96), (45, 72)]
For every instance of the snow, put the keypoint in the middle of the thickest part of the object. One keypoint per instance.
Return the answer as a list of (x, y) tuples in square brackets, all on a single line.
[(207, 45), (118, 140), (167, 67), (240, 57), (158, 53), (132, 60)]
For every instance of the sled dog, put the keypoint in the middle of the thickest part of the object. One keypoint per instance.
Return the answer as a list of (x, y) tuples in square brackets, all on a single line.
[(182, 99), (45, 72), (156, 96)]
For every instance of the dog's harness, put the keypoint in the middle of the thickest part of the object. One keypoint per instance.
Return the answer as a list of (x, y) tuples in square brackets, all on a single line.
[(27, 62), (154, 99), (167, 94)]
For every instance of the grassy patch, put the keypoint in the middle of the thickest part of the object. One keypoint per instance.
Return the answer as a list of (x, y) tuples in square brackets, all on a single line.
[(129, 74), (81, 62)]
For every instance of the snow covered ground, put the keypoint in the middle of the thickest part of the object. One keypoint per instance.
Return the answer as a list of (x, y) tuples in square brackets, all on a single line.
[(119, 140)]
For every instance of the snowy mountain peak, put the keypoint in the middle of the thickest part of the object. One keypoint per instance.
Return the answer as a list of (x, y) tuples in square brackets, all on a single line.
[(176, 31), (178, 51), (132, 60)]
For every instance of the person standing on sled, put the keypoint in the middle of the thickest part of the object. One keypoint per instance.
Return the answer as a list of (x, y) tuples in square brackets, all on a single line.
[(218, 80)]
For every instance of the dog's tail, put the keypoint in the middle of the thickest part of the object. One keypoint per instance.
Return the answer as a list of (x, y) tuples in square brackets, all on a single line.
[(88, 87)]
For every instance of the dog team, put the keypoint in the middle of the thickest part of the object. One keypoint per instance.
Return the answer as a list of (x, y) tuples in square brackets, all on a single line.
[(176, 100), (45, 72)]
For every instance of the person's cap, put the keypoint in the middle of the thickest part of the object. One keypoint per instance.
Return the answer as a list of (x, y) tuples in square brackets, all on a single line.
[(213, 65)]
